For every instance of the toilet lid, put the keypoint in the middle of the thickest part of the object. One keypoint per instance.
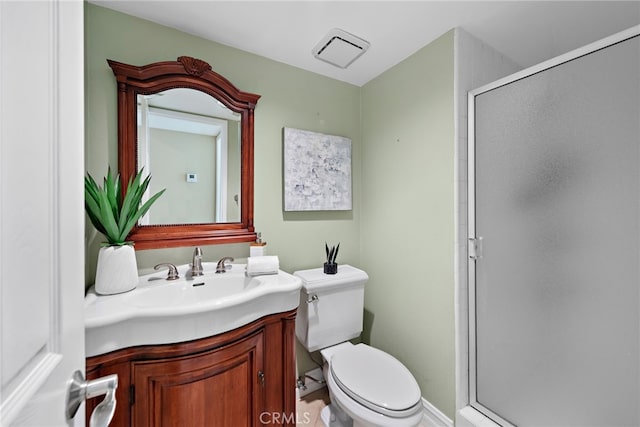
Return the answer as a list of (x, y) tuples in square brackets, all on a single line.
[(374, 378)]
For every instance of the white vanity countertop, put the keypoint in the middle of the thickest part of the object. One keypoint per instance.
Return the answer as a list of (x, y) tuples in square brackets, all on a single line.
[(159, 311)]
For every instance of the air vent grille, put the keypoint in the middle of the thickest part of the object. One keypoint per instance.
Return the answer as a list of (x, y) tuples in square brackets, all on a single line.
[(340, 48)]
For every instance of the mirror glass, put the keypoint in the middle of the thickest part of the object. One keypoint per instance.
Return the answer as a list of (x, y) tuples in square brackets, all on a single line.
[(190, 143)]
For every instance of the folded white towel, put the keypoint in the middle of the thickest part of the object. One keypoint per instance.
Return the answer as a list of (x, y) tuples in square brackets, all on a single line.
[(259, 265)]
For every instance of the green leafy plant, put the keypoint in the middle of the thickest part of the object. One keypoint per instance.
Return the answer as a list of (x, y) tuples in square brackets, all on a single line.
[(112, 214), (332, 253)]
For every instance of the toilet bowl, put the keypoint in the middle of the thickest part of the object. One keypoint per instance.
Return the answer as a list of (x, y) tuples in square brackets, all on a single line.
[(367, 386), (371, 387)]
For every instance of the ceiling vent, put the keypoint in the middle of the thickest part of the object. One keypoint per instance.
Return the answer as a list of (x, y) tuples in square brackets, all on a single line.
[(340, 48)]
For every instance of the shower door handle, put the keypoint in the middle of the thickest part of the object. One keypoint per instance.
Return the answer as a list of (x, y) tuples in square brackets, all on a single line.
[(475, 248)]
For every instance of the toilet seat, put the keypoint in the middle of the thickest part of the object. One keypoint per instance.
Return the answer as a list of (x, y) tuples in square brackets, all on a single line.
[(376, 380)]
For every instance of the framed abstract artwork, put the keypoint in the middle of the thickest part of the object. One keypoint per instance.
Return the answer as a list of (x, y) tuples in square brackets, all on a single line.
[(317, 171)]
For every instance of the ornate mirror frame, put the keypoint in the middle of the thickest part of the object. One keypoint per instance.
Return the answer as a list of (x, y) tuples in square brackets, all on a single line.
[(196, 74)]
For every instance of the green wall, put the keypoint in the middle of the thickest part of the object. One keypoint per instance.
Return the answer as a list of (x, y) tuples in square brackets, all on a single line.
[(177, 153), (407, 226), (291, 97), (401, 227)]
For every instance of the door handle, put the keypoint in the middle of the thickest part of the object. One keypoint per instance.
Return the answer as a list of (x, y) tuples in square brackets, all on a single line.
[(80, 390)]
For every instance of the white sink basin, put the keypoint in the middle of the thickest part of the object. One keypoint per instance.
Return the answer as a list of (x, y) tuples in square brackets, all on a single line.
[(178, 294), (160, 311)]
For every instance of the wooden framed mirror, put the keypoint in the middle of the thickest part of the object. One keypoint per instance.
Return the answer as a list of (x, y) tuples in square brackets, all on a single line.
[(192, 130)]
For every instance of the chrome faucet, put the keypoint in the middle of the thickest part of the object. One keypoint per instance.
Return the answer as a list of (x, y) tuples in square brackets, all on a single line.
[(221, 267), (196, 264)]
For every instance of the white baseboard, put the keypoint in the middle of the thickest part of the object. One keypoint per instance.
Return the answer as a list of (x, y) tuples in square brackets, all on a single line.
[(433, 417)]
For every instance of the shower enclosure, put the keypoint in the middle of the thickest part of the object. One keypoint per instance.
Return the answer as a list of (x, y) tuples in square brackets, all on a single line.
[(554, 241)]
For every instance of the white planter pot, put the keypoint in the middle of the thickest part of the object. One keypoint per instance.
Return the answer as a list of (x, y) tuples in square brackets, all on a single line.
[(117, 270)]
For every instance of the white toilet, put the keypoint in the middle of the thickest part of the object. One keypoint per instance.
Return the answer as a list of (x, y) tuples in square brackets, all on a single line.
[(367, 386)]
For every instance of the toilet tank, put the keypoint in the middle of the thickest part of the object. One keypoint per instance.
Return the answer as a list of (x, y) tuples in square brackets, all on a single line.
[(331, 306)]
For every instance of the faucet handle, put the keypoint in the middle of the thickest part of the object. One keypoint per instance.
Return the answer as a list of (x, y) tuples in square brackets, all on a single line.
[(172, 273), (222, 267)]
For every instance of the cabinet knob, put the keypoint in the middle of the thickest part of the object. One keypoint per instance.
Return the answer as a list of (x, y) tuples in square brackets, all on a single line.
[(261, 378)]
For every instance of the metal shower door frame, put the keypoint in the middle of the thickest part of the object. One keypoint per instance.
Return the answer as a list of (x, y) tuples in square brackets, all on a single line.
[(474, 242)]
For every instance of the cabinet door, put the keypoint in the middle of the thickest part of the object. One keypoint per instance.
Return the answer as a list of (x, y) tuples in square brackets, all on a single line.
[(221, 388)]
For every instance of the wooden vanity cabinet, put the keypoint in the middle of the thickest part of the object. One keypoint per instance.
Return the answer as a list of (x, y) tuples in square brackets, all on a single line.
[(244, 377)]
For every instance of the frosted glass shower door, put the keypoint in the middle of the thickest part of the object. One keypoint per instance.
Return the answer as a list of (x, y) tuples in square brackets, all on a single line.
[(556, 296)]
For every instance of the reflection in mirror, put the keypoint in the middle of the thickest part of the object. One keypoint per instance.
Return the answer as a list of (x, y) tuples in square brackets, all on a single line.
[(190, 143)]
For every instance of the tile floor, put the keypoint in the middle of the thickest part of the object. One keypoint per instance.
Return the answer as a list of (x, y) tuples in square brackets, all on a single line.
[(308, 409)]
